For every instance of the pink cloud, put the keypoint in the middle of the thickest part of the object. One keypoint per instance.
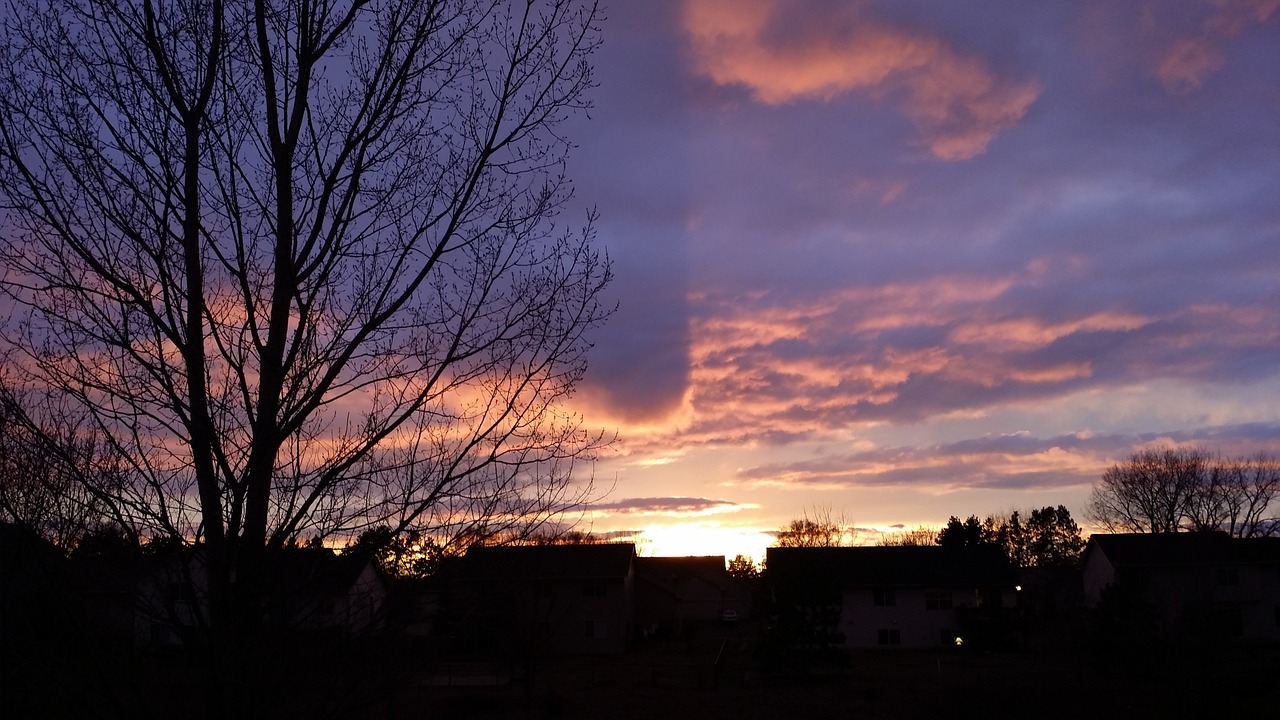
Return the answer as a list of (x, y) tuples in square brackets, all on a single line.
[(1233, 16), (1026, 461), (766, 369), (1189, 62), (1029, 332), (673, 506), (1186, 65), (1011, 461), (954, 100)]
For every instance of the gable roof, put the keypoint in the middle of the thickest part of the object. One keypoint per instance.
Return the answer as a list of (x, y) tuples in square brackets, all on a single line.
[(549, 562), (1262, 550), (316, 572), (669, 572), (27, 562), (1182, 549), (709, 565), (910, 566)]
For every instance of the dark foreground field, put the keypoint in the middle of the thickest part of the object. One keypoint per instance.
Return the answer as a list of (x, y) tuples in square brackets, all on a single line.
[(675, 680), (665, 682)]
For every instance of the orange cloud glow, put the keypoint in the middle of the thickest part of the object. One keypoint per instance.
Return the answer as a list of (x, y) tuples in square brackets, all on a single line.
[(949, 472), (771, 368), (745, 381), (954, 100), (1027, 332)]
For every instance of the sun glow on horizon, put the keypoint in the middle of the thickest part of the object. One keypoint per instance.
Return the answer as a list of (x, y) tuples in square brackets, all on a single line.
[(705, 538)]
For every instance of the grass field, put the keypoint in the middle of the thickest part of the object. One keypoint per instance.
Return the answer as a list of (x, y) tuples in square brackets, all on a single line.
[(680, 680), (719, 674)]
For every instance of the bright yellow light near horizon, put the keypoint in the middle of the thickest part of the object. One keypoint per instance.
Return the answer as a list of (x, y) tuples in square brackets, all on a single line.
[(655, 461), (704, 538)]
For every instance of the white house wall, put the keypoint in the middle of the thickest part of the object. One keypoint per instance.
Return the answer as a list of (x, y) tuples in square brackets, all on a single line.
[(861, 620), (1097, 574)]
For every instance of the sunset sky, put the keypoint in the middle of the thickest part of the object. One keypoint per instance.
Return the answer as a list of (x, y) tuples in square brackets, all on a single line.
[(906, 260)]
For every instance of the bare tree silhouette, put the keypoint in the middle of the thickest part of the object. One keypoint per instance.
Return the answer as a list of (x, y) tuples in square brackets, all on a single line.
[(302, 264), (820, 529), (1175, 489)]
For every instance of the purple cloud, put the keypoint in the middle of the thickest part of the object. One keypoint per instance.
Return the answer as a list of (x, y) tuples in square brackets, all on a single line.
[(1009, 462), (665, 505), (799, 268)]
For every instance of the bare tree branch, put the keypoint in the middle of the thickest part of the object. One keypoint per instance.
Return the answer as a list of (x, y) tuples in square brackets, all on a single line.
[(1173, 489), (301, 265)]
